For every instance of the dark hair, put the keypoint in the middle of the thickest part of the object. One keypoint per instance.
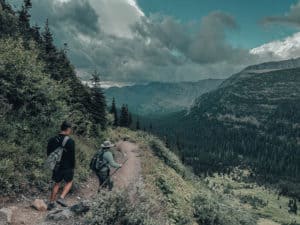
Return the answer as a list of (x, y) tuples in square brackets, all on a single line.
[(65, 125)]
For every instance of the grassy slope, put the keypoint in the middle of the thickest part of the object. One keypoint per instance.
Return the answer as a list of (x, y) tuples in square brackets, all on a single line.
[(275, 209), (229, 199)]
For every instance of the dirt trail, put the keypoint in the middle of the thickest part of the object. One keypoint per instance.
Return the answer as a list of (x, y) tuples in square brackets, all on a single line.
[(130, 173), (128, 176)]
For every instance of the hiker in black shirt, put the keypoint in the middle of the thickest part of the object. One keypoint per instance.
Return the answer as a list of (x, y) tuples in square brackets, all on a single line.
[(65, 170)]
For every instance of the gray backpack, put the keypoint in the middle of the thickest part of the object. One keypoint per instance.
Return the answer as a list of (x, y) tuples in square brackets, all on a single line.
[(53, 160)]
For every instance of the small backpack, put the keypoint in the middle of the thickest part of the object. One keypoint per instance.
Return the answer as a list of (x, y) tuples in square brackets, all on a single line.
[(53, 160), (97, 162)]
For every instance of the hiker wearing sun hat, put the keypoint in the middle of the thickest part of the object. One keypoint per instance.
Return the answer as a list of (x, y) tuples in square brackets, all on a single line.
[(101, 163)]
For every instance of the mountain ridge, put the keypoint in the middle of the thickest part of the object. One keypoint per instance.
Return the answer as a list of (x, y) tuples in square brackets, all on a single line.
[(159, 97)]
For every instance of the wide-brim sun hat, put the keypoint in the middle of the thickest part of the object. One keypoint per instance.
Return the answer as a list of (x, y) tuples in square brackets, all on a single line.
[(107, 144)]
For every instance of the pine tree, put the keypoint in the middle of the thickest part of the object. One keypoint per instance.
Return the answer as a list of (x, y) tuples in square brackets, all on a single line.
[(150, 127), (28, 4), (98, 103), (113, 107), (167, 142), (36, 34), (114, 111), (4, 5), (50, 54), (129, 119), (8, 24), (95, 79), (293, 208), (48, 39), (24, 17), (24, 22), (178, 144), (98, 106), (138, 126), (124, 116)]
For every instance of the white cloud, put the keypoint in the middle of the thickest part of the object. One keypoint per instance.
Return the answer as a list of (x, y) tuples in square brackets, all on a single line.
[(117, 16), (279, 49), (134, 5), (109, 84), (114, 37)]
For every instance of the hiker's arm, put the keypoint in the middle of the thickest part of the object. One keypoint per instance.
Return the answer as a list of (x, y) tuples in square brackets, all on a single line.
[(111, 161), (72, 150)]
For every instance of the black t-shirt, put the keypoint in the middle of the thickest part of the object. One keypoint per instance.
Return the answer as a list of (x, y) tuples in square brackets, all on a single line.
[(68, 157)]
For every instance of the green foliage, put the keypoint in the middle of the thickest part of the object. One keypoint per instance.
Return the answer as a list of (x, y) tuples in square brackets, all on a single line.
[(168, 157), (209, 211), (114, 111), (251, 121), (124, 117), (254, 201), (97, 107), (38, 90), (293, 208), (164, 186), (113, 208)]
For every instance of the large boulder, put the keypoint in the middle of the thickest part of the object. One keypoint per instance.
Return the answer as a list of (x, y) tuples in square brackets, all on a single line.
[(39, 205), (6, 216)]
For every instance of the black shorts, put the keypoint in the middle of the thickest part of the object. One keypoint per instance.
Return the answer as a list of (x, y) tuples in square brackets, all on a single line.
[(60, 175)]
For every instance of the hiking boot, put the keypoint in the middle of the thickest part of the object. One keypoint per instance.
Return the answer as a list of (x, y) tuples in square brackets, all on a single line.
[(62, 202), (51, 206)]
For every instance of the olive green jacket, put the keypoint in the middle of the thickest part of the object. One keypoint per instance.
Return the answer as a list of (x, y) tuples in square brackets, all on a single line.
[(109, 159)]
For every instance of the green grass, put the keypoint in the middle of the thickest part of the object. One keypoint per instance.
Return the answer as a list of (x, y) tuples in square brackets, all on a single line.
[(276, 209)]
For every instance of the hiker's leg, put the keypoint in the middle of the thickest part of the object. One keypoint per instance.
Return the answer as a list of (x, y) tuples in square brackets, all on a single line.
[(110, 184), (67, 189), (54, 192), (107, 178), (68, 178), (99, 180), (102, 178)]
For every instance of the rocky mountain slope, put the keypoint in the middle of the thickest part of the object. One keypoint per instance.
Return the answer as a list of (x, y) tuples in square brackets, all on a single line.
[(160, 98)]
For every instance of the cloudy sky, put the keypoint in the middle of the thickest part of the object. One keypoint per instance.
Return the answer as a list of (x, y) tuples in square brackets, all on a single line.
[(171, 40)]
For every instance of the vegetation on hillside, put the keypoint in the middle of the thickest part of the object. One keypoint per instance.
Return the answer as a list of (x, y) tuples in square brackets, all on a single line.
[(170, 193), (38, 90), (252, 121)]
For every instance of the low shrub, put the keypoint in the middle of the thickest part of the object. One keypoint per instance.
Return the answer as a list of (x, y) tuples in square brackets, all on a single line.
[(113, 208), (254, 201), (208, 211)]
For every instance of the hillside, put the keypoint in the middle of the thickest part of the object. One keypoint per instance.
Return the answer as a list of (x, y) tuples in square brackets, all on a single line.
[(251, 120), (172, 192), (154, 187), (160, 98), (38, 90)]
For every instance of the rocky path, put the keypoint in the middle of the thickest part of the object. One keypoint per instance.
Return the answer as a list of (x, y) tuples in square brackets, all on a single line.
[(128, 176)]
